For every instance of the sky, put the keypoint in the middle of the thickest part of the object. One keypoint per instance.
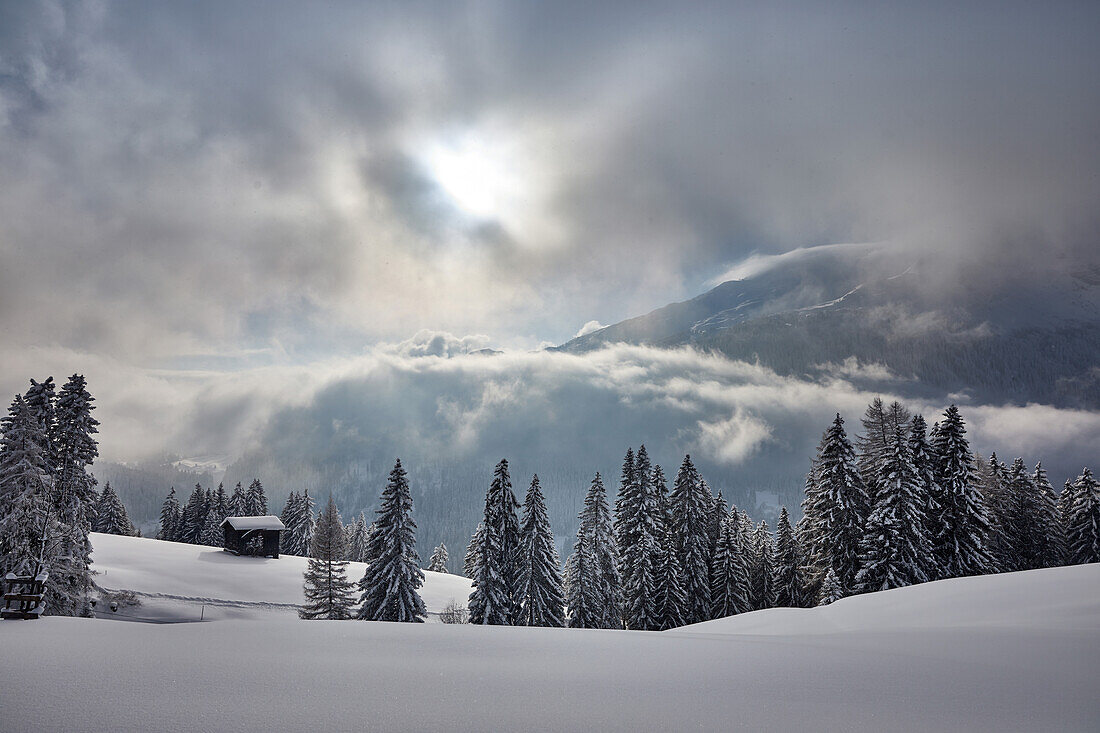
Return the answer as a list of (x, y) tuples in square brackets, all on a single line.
[(214, 209)]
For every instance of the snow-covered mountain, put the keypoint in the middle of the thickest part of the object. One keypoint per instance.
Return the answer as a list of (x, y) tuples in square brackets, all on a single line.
[(1036, 339)]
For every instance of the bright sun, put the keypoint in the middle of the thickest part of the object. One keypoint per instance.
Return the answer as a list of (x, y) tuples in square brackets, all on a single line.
[(478, 177)]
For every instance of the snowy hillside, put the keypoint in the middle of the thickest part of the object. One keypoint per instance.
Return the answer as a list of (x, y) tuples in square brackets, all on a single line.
[(823, 305), (175, 580), (1014, 652)]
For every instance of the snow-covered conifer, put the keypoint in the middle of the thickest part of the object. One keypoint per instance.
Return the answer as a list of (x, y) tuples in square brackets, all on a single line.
[(584, 599), (790, 585), (496, 583), (255, 500), (729, 582), (1083, 525), (923, 458), (1054, 548), (357, 548), (111, 516), (473, 551), (327, 589), (170, 516), (962, 547), (993, 482), (836, 509), (541, 599), (691, 506), (596, 528), (894, 550), (874, 445), (194, 517), (238, 504), (1025, 526), (437, 563), (640, 532), (762, 569), (29, 531), (392, 580), (830, 590)]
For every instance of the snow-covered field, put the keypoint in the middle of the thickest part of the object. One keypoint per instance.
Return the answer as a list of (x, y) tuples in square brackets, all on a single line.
[(1017, 652), (178, 582)]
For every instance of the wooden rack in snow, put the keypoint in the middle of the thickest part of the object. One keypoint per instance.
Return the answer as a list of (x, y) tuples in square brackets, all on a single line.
[(24, 595)]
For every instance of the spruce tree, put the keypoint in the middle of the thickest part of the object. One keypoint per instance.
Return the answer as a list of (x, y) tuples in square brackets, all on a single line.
[(495, 598), (691, 505), (596, 523), (671, 600), (1054, 548), (874, 445), (830, 591), (962, 546), (473, 551), (327, 589), (640, 532), (111, 516), (542, 601), (1083, 525), (836, 509), (255, 501), (762, 569), (70, 428), (996, 492), (729, 582), (1026, 527), (392, 580), (438, 561), (924, 462), (790, 586), (238, 504), (170, 516), (194, 517), (357, 549), (29, 530), (287, 542), (212, 534), (894, 550), (584, 597), (299, 521)]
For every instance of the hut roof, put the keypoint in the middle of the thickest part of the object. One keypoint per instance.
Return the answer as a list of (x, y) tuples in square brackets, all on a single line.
[(267, 522)]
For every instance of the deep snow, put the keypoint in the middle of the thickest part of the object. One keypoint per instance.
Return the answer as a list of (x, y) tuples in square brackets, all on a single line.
[(1001, 653), (175, 580)]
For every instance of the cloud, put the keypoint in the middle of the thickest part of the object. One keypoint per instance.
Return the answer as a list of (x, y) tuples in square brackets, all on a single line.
[(588, 328)]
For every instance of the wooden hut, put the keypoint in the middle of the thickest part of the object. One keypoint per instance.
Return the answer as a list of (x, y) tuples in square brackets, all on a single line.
[(257, 536)]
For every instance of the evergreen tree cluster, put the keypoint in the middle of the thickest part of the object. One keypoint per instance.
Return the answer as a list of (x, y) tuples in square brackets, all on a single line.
[(48, 499), (199, 520), (904, 505)]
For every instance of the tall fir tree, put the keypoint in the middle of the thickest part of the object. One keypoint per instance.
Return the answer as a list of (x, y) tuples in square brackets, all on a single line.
[(729, 582), (1025, 526), (596, 536), (111, 516), (874, 445), (691, 505), (992, 480), (391, 584), (255, 500), (671, 600), (762, 569), (495, 598), (193, 517), (894, 549), (327, 589), (72, 449), (640, 534), (584, 598), (473, 551), (29, 530), (836, 508), (437, 563), (299, 523), (287, 542), (962, 547), (542, 601), (923, 458), (1083, 520), (170, 516), (238, 504), (1054, 549), (790, 585), (357, 549)]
